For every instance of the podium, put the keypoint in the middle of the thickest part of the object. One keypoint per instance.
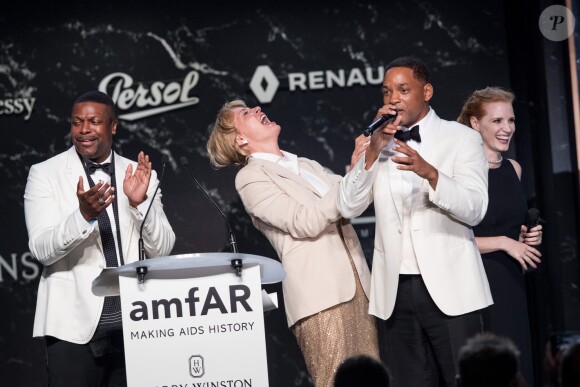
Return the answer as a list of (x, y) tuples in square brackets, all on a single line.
[(194, 320)]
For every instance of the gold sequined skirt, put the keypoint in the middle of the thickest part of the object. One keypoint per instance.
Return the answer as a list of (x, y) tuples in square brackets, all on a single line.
[(331, 336)]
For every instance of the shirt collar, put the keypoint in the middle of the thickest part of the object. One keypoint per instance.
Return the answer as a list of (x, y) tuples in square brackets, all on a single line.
[(266, 156), (289, 160), (108, 160), (423, 122)]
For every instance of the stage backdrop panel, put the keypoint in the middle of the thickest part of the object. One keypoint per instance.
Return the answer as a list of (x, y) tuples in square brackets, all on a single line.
[(314, 67)]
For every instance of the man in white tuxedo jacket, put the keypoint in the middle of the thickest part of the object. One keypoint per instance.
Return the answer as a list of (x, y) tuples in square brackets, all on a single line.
[(84, 209), (428, 282)]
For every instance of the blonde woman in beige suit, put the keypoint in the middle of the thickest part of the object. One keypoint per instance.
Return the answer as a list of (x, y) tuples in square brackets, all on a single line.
[(292, 201)]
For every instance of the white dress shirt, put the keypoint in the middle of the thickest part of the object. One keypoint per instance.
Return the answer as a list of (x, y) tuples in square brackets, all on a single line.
[(406, 185), (290, 162)]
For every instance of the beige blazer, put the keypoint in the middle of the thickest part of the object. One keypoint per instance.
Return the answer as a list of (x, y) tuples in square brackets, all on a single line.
[(440, 221), (305, 230), (66, 308)]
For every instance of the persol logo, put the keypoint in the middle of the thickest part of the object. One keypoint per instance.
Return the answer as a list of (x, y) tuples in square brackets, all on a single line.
[(149, 98)]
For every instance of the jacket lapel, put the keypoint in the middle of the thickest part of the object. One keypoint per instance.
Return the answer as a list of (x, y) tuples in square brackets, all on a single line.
[(125, 222), (73, 168), (306, 164), (275, 170), (426, 151), (395, 181)]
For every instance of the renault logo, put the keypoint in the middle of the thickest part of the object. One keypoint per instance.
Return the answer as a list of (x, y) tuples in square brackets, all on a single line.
[(264, 84)]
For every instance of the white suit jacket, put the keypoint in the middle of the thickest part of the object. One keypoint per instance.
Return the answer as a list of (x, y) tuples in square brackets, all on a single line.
[(440, 220), (305, 230), (66, 308)]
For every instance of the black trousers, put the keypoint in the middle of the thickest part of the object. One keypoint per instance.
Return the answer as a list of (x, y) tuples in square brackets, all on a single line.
[(75, 365), (419, 343)]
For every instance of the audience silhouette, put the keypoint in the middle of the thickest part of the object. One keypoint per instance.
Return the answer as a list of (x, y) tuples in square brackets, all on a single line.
[(362, 370), (570, 366), (489, 360)]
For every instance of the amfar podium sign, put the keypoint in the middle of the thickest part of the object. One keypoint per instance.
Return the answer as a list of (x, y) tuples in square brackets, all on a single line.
[(204, 331)]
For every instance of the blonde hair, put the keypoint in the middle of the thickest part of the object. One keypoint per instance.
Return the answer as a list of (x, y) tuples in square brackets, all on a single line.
[(473, 107), (221, 145)]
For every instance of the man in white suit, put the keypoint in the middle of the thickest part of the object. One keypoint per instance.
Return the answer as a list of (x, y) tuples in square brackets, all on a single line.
[(428, 282), (78, 223)]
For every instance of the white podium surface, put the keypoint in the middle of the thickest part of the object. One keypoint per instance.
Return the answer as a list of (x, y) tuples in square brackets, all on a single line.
[(187, 266), (202, 331)]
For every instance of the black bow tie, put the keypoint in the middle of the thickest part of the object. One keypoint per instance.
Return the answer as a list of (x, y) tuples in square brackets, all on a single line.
[(106, 167), (407, 135)]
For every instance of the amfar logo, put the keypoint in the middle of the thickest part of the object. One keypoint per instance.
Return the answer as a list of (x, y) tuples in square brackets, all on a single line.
[(196, 366), (264, 83), (238, 296), (158, 98)]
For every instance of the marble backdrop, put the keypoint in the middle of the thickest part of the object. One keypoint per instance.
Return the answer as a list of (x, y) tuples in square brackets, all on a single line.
[(314, 67)]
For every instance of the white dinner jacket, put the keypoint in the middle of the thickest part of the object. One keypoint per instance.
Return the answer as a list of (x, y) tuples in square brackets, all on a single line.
[(440, 220), (308, 233), (66, 308)]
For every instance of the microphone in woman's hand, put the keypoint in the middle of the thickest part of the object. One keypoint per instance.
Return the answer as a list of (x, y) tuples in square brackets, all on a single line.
[(532, 218)]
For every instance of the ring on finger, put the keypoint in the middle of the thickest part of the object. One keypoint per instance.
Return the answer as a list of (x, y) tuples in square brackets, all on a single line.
[(101, 202)]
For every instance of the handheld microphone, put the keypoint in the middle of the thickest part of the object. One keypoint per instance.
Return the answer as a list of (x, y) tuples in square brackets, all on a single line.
[(378, 123), (142, 270), (185, 164), (532, 218)]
